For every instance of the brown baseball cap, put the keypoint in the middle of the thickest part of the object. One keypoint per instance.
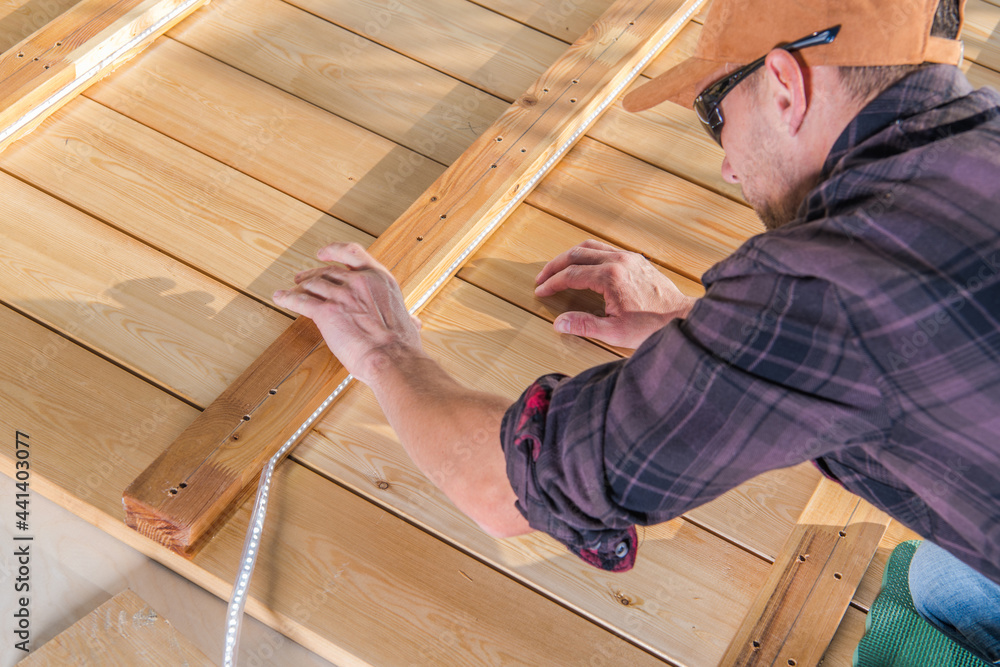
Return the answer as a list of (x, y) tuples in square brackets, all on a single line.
[(737, 32)]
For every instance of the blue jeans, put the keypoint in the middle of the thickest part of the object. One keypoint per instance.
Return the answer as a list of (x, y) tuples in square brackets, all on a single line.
[(959, 601)]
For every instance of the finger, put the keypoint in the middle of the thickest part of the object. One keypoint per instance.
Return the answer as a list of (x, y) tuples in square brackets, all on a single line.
[(332, 273), (299, 302), (586, 325), (351, 255), (588, 252), (593, 277)]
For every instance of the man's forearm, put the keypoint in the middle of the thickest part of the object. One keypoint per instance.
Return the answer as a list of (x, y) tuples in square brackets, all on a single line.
[(452, 433)]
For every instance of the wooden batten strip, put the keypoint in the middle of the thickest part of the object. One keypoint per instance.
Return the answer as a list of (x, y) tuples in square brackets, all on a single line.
[(47, 69), (798, 610), (201, 477)]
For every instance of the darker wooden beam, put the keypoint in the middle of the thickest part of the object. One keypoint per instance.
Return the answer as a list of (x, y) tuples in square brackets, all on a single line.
[(799, 608), (194, 485)]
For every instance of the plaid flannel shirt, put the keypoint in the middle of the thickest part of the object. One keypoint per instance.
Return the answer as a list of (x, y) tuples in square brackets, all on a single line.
[(863, 336)]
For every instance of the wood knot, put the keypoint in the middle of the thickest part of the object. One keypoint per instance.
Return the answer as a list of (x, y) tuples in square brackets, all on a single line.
[(382, 484), (529, 101)]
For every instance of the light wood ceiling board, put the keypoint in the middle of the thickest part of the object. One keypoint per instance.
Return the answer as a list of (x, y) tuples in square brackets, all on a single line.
[(981, 33), (457, 37), (639, 207), (499, 348), (336, 574), (563, 19), (508, 262), (233, 227), (363, 82), (153, 315), (206, 470), (298, 148), (122, 631), (980, 76), (50, 67), (21, 18), (800, 606)]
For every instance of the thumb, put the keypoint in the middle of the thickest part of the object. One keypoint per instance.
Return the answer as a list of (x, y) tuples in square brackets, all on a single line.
[(583, 324)]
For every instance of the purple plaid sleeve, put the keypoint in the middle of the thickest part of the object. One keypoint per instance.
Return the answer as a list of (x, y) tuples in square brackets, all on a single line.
[(864, 335)]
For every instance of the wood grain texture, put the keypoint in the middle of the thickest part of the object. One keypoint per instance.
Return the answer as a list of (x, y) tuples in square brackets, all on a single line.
[(359, 80), (499, 348), (981, 33), (19, 19), (277, 138), (336, 574), (196, 482), (153, 315), (457, 37), (123, 631), (840, 652), (641, 208), (563, 19), (44, 71), (204, 213), (797, 611)]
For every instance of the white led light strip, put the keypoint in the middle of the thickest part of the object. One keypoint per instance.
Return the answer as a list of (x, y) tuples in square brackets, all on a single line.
[(80, 80), (252, 542)]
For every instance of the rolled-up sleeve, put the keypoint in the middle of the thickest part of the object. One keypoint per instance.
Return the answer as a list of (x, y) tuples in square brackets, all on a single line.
[(761, 375)]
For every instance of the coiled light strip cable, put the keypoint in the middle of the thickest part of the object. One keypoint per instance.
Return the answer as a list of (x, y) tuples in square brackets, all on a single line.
[(252, 543)]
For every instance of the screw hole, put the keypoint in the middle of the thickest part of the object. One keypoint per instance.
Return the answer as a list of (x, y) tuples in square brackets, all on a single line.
[(46, 67), (420, 238), (58, 43), (524, 150), (35, 59), (182, 485), (576, 81), (499, 139), (572, 100), (272, 392), (755, 644), (246, 418), (838, 575), (434, 198), (20, 55), (444, 215), (173, 491), (631, 22), (843, 534), (791, 662), (545, 90), (493, 166), (802, 558)]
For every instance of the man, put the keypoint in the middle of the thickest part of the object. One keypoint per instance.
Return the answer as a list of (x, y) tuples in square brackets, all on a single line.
[(862, 331)]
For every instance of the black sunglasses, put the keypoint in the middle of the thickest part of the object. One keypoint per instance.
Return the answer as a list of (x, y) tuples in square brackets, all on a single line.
[(706, 105)]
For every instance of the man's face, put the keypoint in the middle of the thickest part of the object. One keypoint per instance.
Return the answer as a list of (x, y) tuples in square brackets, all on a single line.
[(758, 157)]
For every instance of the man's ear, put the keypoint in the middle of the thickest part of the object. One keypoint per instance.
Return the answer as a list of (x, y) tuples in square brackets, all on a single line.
[(788, 85)]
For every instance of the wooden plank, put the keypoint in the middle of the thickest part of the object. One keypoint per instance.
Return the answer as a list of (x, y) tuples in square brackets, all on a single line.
[(360, 81), (336, 573), (639, 207), (457, 37), (508, 262), (122, 631), (495, 347), (800, 606), (147, 312), (871, 584), (563, 19), (840, 652), (47, 69), (980, 34), (181, 497), (296, 147), (21, 18), (240, 231)]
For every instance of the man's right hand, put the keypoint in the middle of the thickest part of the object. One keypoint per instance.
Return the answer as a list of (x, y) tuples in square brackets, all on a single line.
[(638, 298)]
